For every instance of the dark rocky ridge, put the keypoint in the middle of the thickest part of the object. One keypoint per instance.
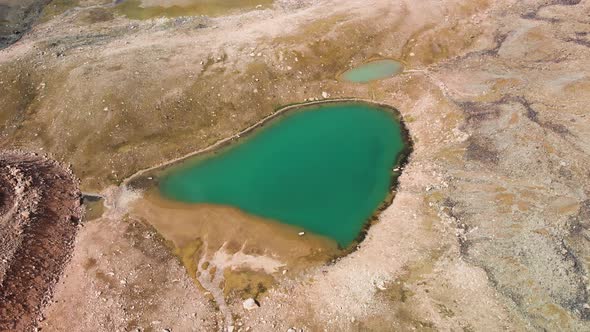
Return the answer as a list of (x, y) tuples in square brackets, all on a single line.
[(39, 214), (17, 17)]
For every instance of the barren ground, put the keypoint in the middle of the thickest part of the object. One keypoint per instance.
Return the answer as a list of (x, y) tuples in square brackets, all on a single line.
[(489, 228)]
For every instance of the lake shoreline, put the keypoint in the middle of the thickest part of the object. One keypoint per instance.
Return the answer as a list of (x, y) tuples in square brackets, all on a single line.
[(139, 179), (128, 181)]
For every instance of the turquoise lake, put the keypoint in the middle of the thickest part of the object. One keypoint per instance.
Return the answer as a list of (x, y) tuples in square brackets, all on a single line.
[(373, 70), (324, 168)]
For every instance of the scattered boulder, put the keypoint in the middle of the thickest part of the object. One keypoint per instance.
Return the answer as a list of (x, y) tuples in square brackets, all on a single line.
[(250, 304)]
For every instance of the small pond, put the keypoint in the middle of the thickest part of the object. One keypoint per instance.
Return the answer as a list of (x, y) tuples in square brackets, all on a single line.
[(373, 70)]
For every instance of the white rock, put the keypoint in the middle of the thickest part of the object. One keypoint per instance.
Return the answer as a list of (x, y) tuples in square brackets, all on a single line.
[(325, 95), (301, 233), (250, 304)]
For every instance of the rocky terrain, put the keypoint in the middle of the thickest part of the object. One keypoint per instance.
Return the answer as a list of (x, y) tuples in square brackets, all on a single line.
[(488, 229), (39, 215)]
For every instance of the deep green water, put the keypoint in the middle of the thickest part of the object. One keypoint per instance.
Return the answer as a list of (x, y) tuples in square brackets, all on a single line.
[(325, 168), (373, 70)]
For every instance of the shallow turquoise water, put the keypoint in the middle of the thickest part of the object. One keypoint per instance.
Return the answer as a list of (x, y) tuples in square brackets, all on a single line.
[(373, 70), (325, 168)]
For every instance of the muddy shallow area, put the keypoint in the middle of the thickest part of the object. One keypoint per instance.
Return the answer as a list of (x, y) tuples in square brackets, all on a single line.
[(147, 9), (488, 229)]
